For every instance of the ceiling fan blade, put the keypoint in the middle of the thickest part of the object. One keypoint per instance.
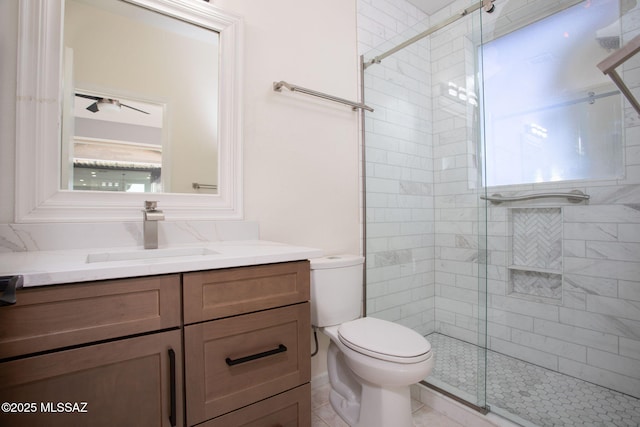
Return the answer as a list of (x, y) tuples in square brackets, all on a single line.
[(128, 106), (93, 107), (95, 98)]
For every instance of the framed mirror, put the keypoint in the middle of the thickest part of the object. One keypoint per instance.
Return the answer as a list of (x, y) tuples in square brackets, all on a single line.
[(66, 79)]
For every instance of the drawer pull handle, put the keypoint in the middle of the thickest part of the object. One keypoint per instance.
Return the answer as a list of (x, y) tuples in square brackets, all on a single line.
[(231, 362), (172, 387)]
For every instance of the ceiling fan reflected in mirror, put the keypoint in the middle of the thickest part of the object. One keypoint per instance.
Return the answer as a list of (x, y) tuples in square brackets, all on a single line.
[(106, 104)]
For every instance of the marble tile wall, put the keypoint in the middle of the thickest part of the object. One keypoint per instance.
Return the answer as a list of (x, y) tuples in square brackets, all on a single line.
[(458, 254), (591, 329), (399, 167)]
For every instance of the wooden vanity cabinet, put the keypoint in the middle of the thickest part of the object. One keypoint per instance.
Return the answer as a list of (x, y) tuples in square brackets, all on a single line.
[(96, 354), (247, 346), (114, 352)]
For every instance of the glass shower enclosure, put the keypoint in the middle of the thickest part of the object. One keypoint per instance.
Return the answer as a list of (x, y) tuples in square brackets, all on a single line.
[(502, 205)]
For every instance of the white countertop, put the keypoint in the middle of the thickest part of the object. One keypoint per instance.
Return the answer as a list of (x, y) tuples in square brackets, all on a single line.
[(54, 267)]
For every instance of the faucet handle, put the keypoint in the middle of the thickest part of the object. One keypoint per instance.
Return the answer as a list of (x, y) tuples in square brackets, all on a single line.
[(150, 205)]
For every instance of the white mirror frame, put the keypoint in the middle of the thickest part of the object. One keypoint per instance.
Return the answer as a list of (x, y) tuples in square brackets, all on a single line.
[(38, 114)]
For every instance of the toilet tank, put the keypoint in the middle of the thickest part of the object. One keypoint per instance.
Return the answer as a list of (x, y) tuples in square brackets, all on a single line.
[(336, 289)]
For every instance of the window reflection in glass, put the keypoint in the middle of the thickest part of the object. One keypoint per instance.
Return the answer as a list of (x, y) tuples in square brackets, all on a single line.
[(550, 114)]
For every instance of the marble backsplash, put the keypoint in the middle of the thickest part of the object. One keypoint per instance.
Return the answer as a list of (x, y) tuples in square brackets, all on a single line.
[(67, 236)]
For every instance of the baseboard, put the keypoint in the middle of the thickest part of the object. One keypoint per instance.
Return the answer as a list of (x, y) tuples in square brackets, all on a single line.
[(457, 411)]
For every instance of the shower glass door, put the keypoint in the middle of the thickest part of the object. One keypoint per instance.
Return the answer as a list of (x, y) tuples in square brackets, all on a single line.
[(426, 224), (532, 306), (563, 307)]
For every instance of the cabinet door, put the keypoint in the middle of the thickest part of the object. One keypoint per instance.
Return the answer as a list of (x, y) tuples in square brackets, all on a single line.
[(131, 382), (237, 361)]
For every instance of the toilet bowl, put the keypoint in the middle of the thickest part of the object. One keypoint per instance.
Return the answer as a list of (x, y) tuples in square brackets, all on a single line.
[(371, 362)]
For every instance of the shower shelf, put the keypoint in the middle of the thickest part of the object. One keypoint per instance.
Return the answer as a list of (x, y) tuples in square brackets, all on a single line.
[(534, 269)]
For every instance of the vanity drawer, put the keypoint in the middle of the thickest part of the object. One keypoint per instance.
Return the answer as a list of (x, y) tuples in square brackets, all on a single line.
[(221, 375), (50, 317), (227, 292), (289, 409)]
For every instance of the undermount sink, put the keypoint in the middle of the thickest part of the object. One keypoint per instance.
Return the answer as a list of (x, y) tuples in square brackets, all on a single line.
[(139, 254)]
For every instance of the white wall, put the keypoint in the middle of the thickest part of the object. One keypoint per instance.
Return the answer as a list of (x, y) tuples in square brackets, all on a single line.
[(301, 153)]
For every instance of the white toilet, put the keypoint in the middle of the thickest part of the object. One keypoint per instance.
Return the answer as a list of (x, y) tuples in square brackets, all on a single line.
[(371, 362)]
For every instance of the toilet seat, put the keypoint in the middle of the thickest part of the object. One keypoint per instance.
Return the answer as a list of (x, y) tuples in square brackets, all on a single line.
[(384, 340)]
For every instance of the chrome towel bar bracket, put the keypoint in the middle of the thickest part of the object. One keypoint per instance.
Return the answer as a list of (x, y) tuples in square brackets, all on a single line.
[(277, 86), (574, 196)]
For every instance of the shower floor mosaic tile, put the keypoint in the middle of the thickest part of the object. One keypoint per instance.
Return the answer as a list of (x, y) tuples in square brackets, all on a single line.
[(526, 393)]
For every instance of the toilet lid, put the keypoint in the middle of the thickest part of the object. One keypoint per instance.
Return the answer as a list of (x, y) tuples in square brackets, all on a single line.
[(384, 340)]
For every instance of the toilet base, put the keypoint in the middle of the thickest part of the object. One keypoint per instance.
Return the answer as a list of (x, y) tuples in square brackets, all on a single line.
[(379, 407), (383, 407), (362, 404)]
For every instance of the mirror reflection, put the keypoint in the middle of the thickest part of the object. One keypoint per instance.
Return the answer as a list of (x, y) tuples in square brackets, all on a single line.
[(117, 144), (140, 101)]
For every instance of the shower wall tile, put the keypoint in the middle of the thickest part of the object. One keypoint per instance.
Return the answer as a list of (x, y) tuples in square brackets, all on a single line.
[(622, 308), (613, 362), (528, 354), (591, 231), (453, 330), (445, 316), (453, 306), (600, 323), (629, 232), (467, 323), (574, 248), (458, 294), (602, 268), (630, 348), (399, 171), (575, 300), (614, 250), (507, 318), (611, 213), (575, 334), (530, 308), (550, 345), (497, 330), (629, 290), (591, 285)]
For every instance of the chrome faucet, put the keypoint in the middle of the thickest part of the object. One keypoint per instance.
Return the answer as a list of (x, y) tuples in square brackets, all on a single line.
[(150, 225)]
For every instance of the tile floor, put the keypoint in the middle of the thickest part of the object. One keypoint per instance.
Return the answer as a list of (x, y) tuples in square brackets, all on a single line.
[(529, 394), (324, 416)]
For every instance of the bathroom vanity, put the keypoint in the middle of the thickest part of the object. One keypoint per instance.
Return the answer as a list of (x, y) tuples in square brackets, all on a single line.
[(224, 346)]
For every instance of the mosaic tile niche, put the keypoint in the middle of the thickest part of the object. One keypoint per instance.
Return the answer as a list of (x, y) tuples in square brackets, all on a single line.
[(535, 270)]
